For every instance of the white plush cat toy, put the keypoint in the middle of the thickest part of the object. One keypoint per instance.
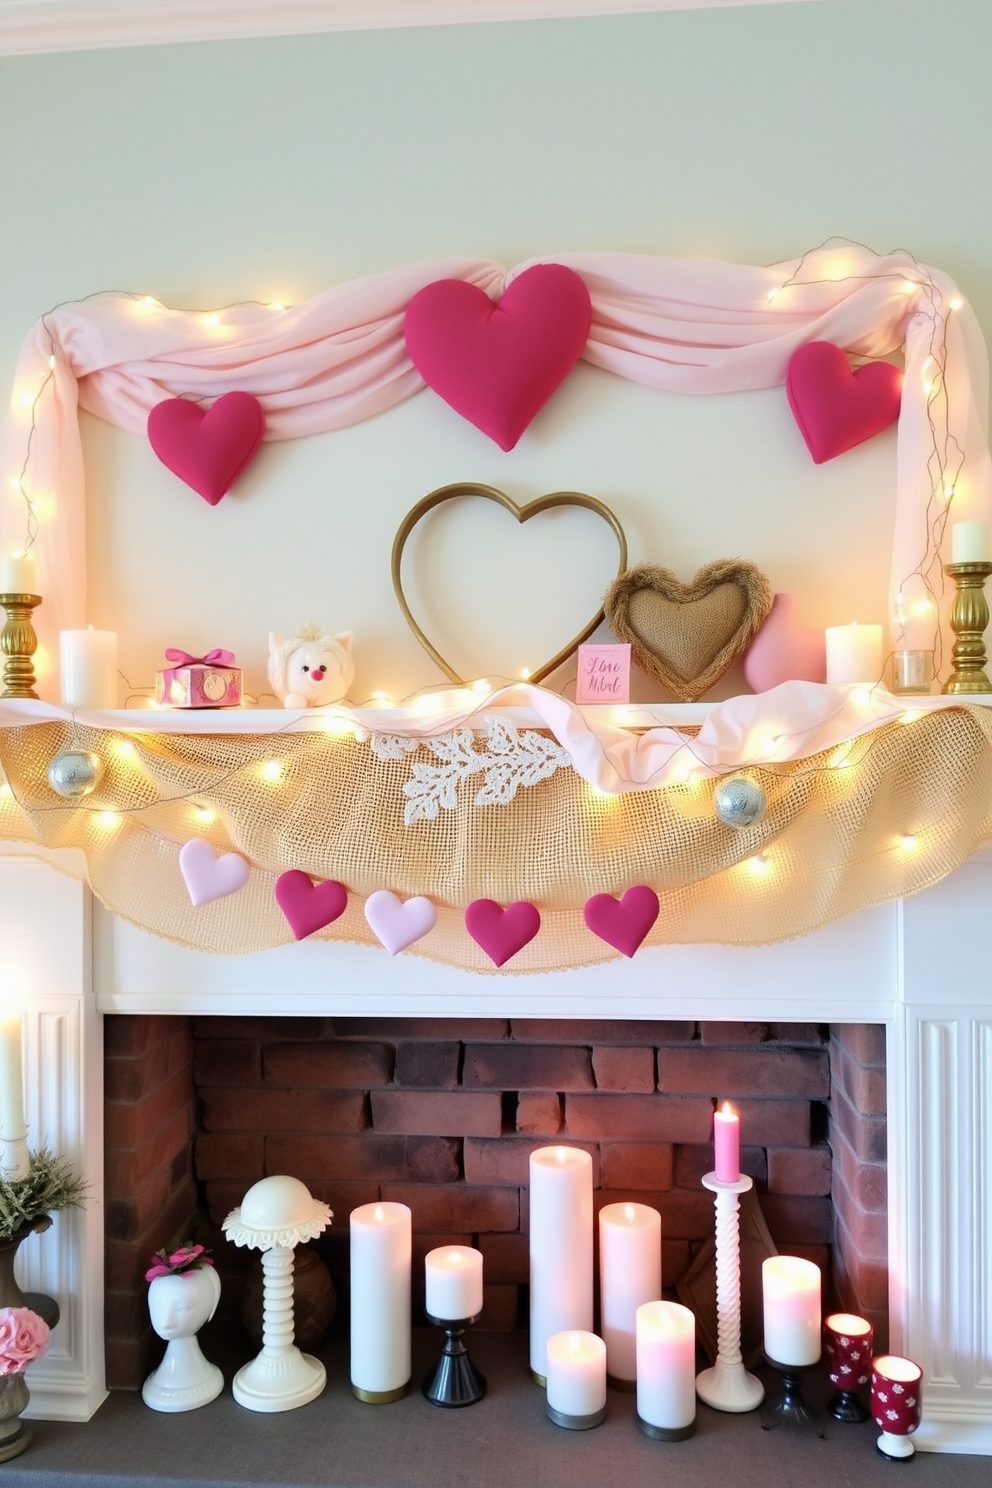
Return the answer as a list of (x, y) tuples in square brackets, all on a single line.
[(310, 669)]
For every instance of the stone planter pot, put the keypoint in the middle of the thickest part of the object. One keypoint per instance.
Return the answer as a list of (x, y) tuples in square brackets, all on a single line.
[(14, 1435)]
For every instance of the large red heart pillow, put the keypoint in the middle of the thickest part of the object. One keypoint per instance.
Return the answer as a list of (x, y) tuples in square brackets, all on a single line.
[(208, 449), (498, 363), (834, 407)]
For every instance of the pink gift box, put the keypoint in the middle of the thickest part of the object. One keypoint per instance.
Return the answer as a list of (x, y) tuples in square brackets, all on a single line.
[(211, 681)]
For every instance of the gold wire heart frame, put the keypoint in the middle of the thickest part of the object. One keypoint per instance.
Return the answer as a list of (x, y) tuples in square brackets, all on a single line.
[(522, 514)]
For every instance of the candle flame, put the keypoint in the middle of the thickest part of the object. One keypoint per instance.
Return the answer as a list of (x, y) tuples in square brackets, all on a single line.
[(727, 1109), (628, 1212), (379, 1214), (455, 1258)]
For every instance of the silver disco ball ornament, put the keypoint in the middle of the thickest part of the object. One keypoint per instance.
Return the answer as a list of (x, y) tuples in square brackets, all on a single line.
[(739, 802), (75, 772)]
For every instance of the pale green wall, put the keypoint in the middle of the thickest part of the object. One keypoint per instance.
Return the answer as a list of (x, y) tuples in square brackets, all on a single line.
[(271, 169)]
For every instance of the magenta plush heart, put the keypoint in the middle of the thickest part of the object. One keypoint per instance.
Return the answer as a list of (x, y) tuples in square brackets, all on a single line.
[(209, 875), (498, 363), (502, 932), (309, 906), (622, 923), (208, 449), (834, 407)]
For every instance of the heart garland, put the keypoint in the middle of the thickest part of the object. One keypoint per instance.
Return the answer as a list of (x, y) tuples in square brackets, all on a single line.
[(498, 363), (398, 923), (622, 923), (211, 875), (207, 448), (309, 906), (837, 408), (502, 932)]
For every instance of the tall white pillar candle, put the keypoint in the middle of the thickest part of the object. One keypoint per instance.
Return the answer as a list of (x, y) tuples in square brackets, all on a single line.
[(971, 542), (561, 1268), (13, 1128), (666, 1365), (629, 1274), (88, 668), (17, 574), (454, 1282), (854, 654), (576, 1368), (381, 1250), (792, 1310)]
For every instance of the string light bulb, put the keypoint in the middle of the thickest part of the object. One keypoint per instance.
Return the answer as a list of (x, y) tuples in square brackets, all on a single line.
[(272, 770), (108, 820), (955, 302)]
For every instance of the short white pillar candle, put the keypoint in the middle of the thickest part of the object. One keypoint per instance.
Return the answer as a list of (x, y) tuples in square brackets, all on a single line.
[(854, 654), (666, 1366), (17, 574), (792, 1310), (576, 1375), (629, 1274), (454, 1283), (561, 1265), (88, 668), (971, 542), (381, 1251)]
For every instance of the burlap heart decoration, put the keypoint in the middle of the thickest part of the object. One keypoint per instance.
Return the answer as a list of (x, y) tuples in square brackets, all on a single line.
[(687, 635)]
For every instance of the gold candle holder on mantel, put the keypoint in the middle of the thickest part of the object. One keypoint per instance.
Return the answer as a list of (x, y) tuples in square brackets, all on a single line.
[(18, 644), (969, 620)]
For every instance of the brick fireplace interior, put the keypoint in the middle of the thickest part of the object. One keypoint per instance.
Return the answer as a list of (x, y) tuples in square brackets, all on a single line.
[(442, 1114)]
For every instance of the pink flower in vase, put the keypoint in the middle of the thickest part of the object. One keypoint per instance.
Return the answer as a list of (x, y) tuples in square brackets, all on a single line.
[(187, 1257), (24, 1337)]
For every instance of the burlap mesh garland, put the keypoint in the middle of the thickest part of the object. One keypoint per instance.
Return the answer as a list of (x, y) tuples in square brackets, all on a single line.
[(832, 837)]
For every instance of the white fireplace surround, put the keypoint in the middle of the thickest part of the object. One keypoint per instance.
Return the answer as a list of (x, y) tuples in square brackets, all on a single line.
[(920, 966)]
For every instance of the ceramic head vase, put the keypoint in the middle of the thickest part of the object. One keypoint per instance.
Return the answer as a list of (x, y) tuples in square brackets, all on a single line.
[(179, 1304)]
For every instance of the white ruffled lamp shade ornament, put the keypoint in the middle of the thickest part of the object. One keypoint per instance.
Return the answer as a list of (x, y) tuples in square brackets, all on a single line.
[(276, 1215)]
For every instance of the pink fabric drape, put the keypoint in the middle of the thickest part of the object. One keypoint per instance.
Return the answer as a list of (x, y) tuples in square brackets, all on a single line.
[(681, 325)]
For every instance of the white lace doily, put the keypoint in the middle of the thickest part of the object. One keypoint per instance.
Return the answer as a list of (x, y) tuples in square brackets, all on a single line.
[(240, 1233)]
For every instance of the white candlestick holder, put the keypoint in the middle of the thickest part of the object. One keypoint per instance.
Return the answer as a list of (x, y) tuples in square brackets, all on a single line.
[(728, 1386)]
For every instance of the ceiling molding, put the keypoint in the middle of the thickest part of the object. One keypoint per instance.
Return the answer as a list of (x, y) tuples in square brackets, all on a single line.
[(30, 26)]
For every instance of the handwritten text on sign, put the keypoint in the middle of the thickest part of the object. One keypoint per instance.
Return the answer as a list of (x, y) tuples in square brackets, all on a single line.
[(604, 674)]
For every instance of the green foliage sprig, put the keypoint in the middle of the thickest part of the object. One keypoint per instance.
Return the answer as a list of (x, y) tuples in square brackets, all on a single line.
[(51, 1184)]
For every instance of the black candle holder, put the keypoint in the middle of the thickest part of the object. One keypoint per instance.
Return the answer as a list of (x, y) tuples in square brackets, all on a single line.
[(847, 1405), (791, 1409), (455, 1381)]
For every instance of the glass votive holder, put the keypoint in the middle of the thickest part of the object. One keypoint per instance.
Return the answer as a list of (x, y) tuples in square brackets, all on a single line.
[(912, 671), (847, 1343), (895, 1403)]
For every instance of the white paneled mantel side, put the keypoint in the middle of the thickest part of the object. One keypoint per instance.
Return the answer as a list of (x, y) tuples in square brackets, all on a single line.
[(82, 25)]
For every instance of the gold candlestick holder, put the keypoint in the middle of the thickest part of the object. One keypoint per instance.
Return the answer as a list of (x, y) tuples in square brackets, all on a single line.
[(969, 620), (18, 644)]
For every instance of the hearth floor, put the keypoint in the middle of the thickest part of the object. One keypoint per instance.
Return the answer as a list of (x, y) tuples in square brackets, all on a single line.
[(506, 1439)]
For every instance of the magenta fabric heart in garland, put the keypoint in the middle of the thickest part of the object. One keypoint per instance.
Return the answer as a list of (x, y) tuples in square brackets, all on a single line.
[(309, 906), (208, 449), (622, 923), (498, 363), (834, 407), (502, 932)]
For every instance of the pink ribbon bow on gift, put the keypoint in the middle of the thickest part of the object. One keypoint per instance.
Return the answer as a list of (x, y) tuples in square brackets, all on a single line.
[(217, 657)]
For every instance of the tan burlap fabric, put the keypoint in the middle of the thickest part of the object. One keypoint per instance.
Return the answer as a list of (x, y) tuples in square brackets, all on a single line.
[(832, 838)]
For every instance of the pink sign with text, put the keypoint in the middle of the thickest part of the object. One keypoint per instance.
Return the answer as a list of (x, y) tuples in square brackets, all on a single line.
[(604, 674)]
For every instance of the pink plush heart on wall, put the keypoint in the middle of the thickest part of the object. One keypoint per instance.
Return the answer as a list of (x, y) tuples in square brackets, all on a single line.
[(398, 923), (208, 449), (622, 923), (834, 407), (309, 906), (209, 875), (497, 364), (502, 932)]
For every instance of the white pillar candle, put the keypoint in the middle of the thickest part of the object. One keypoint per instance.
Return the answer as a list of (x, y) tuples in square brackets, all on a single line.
[(88, 667), (17, 574), (727, 1144), (561, 1267), (454, 1282), (666, 1365), (14, 1157), (791, 1294), (576, 1368), (381, 1250), (629, 1274), (970, 542), (854, 654)]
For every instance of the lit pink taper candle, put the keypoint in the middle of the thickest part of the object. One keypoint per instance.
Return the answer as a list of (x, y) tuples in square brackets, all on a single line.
[(727, 1144)]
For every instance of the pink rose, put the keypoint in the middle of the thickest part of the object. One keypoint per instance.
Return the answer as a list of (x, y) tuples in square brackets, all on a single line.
[(24, 1337)]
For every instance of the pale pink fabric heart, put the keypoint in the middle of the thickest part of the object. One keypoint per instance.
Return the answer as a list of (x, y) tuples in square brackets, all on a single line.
[(309, 906), (622, 923), (834, 407), (209, 876), (502, 932), (784, 650), (497, 364), (208, 450), (397, 922)]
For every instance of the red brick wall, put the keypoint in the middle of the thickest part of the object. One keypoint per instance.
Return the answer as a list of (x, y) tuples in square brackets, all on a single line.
[(151, 1196), (857, 1140)]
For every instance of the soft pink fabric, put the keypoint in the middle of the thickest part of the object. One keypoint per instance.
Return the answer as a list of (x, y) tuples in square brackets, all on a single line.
[(622, 923), (497, 364), (398, 923), (835, 407), (502, 932), (682, 325), (784, 650), (207, 448), (208, 875), (309, 906)]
